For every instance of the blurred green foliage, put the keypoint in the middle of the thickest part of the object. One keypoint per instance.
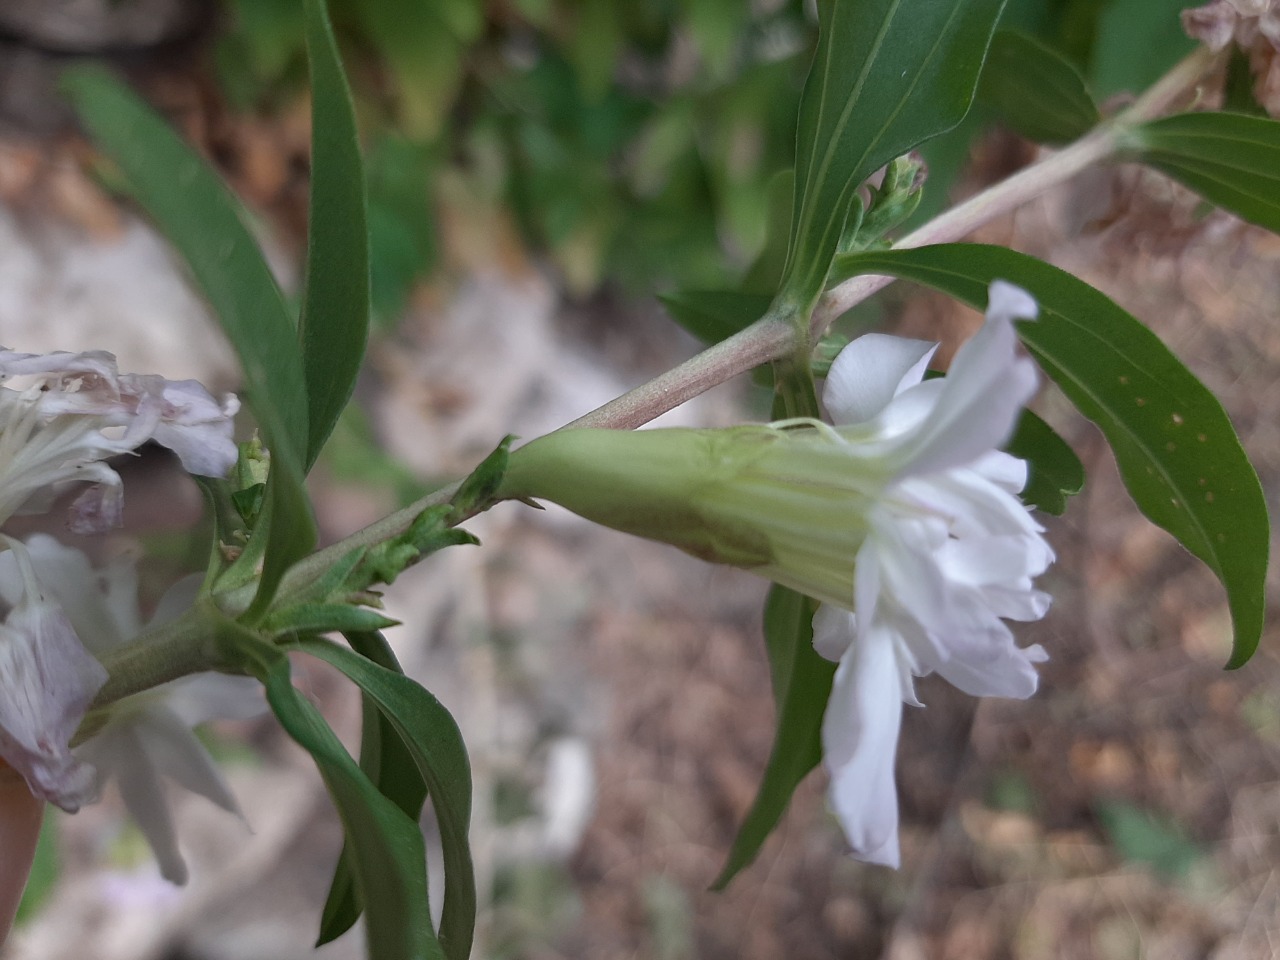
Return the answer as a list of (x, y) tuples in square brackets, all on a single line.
[(633, 141)]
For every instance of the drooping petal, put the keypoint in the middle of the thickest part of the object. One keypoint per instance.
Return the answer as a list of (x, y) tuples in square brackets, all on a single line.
[(870, 372), (47, 681), (176, 751), (192, 424), (986, 387), (860, 741), (1010, 673), (121, 750), (100, 602)]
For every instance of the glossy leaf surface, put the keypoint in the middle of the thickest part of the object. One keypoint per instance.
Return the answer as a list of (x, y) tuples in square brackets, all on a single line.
[(1230, 159), (1036, 90), (887, 75)]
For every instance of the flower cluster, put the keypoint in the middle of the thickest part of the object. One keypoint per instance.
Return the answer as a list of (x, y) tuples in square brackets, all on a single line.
[(62, 417), (903, 518), (1254, 27)]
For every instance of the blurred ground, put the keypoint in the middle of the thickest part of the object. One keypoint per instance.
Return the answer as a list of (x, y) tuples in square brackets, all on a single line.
[(615, 694)]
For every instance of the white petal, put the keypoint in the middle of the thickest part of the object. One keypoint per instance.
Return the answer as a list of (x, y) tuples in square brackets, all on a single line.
[(208, 696), (121, 750), (1004, 470), (870, 371), (178, 599), (860, 740), (1008, 302), (47, 681), (833, 631), (180, 756), (101, 603), (986, 387), (1011, 673), (985, 561)]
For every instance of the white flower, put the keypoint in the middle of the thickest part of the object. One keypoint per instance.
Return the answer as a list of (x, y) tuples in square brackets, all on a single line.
[(147, 737), (950, 551), (76, 411), (47, 681)]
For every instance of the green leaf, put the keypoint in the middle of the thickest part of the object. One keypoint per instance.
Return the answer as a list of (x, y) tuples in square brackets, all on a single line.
[(334, 325), (887, 75), (765, 272), (1177, 451), (384, 847), (1134, 42), (431, 738), (1054, 472), (801, 687), (1230, 159), (1035, 90), (324, 618), (390, 766), (715, 315), (476, 493), (1238, 95), (204, 223), (1141, 836), (430, 531)]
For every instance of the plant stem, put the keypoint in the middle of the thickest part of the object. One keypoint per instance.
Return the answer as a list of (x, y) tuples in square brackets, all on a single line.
[(766, 339)]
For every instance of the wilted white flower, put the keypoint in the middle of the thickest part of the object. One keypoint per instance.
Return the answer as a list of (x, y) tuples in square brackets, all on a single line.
[(47, 681), (76, 411), (146, 738), (950, 552), (1254, 27)]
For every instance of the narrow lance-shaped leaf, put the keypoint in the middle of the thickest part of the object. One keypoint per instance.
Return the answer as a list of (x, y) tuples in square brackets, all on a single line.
[(801, 687), (203, 221), (887, 75), (384, 846), (431, 737), (390, 766), (334, 325), (1036, 90), (1178, 454), (1230, 159)]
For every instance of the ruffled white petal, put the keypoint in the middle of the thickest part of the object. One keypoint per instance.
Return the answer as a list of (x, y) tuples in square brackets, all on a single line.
[(833, 632), (48, 679), (870, 372), (859, 742), (950, 553)]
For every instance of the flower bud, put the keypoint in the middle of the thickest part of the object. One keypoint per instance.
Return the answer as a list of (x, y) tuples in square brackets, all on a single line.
[(786, 501)]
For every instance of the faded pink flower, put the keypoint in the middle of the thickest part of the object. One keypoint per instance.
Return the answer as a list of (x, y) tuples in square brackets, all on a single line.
[(76, 411)]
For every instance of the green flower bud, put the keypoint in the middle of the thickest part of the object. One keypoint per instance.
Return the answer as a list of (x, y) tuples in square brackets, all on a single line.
[(786, 501)]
